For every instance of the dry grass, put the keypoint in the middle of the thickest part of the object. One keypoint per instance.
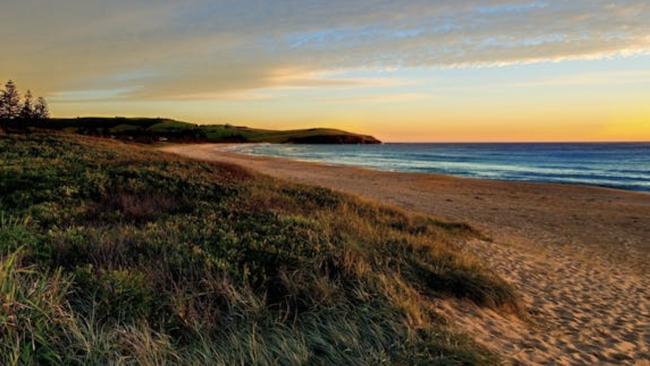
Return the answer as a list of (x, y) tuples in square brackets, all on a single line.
[(146, 258)]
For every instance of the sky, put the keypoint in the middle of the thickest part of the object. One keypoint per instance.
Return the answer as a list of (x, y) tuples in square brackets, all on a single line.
[(410, 70)]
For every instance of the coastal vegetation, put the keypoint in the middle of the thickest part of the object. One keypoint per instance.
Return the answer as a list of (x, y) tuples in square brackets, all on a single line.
[(13, 107), (114, 253), (147, 130)]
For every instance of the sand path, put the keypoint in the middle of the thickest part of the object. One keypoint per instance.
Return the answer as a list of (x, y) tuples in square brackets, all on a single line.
[(579, 255)]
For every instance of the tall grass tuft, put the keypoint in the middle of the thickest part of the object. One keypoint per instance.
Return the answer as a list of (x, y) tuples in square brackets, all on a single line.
[(33, 313)]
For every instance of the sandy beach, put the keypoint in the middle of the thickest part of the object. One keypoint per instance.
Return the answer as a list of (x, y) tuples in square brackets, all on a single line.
[(579, 255)]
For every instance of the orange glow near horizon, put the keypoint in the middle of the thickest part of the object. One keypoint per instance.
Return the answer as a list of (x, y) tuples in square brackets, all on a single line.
[(432, 72), (443, 128), (510, 114)]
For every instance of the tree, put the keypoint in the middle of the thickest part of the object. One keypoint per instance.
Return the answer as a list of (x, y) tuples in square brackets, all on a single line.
[(27, 110), (10, 101), (41, 110), (11, 107)]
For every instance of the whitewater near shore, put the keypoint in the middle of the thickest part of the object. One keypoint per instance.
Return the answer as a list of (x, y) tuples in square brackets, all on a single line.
[(579, 255)]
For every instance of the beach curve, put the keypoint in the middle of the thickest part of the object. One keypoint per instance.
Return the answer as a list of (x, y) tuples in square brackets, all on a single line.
[(579, 255)]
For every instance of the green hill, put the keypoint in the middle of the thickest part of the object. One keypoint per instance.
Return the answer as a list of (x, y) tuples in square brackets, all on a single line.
[(156, 129), (114, 253)]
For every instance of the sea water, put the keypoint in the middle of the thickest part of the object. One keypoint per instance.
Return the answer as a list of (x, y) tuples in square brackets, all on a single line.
[(616, 165)]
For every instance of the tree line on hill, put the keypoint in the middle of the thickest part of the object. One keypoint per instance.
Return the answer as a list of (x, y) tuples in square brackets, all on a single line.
[(13, 107)]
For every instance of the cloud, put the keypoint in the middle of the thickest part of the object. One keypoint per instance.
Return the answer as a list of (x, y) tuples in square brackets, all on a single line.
[(380, 98), (602, 78), (166, 49), (97, 95)]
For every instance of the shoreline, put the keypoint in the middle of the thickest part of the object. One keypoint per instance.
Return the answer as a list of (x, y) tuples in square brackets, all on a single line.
[(497, 206), (578, 255), (582, 185)]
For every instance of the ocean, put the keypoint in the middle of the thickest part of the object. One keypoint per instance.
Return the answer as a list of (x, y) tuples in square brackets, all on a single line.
[(615, 165)]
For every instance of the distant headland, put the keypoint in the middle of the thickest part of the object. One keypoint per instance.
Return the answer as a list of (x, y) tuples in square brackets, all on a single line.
[(161, 129), (23, 113)]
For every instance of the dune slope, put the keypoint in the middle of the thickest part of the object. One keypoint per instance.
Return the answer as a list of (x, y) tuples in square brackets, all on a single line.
[(579, 255), (112, 252)]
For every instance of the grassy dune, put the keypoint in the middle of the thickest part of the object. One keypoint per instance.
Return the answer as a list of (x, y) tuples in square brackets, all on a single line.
[(153, 129), (114, 253)]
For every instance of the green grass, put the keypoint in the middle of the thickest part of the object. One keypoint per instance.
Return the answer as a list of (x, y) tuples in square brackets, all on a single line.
[(117, 254), (154, 129)]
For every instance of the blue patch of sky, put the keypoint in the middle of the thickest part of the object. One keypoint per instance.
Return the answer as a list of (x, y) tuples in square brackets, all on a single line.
[(516, 74), (322, 38), (112, 86), (503, 42), (350, 36), (435, 80), (91, 95), (511, 8), (133, 75)]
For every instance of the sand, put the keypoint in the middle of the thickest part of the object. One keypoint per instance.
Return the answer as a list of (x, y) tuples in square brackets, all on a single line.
[(579, 255)]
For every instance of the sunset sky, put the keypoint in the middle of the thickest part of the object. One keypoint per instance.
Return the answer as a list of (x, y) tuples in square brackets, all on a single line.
[(460, 70)]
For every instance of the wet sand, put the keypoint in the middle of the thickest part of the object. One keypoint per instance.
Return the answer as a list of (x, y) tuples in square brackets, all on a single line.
[(579, 255)]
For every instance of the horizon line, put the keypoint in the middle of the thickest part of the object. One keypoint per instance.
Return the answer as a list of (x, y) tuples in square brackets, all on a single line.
[(237, 124), (524, 142)]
